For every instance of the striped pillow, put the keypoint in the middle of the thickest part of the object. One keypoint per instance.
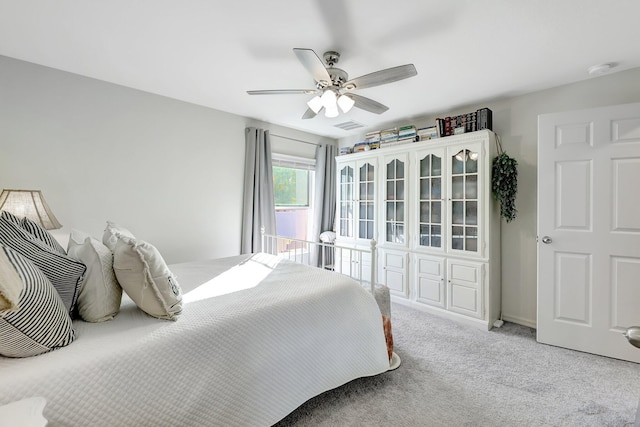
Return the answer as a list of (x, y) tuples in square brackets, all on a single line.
[(64, 273), (41, 322), (8, 216), (40, 233)]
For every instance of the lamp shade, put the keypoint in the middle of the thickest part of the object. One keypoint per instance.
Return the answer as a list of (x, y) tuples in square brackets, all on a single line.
[(315, 104), (328, 99), (30, 204), (331, 112), (346, 103)]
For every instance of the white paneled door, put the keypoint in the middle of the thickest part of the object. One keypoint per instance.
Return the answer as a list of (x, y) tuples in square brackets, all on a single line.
[(589, 229)]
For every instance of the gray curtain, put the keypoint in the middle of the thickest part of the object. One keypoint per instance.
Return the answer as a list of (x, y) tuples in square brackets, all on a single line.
[(259, 206), (325, 195)]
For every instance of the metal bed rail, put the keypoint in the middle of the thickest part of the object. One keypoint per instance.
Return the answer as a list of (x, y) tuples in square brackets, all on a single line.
[(349, 261)]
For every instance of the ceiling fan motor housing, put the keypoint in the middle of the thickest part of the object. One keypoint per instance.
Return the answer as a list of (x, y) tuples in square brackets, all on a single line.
[(331, 58), (338, 77)]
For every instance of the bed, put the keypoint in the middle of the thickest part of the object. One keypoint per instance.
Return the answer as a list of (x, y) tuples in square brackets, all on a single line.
[(257, 336)]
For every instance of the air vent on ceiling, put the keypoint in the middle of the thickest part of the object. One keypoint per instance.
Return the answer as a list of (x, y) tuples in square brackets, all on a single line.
[(349, 125)]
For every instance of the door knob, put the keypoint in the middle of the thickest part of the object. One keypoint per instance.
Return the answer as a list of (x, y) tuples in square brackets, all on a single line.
[(633, 335), (547, 240)]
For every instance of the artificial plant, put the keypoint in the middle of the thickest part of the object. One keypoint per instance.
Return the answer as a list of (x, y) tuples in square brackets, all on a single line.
[(504, 183)]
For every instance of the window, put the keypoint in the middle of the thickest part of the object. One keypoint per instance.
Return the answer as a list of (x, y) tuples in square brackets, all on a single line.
[(293, 185)]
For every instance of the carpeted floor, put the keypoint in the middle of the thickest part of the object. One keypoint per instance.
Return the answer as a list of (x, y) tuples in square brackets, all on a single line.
[(454, 375)]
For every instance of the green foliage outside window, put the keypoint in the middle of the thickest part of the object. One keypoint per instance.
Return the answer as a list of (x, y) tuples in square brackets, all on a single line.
[(291, 186)]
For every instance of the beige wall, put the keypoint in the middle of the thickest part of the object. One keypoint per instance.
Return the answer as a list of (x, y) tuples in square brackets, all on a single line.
[(170, 171), (515, 120)]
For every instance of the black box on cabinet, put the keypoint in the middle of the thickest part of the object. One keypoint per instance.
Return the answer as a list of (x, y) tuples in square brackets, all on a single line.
[(484, 119)]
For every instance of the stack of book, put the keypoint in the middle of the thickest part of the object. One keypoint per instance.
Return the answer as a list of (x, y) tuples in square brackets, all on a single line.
[(407, 134), (373, 138), (470, 122), (361, 146), (344, 150), (388, 136), (427, 133)]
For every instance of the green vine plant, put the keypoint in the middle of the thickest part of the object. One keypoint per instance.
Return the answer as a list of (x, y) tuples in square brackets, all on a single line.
[(504, 183)]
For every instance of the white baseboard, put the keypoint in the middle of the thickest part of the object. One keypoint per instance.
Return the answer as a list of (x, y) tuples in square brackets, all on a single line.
[(466, 320), (461, 318)]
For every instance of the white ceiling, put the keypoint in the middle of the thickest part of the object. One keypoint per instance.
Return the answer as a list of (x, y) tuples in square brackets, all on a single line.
[(210, 52)]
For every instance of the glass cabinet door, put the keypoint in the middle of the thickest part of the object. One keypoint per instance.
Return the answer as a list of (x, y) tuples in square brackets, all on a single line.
[(366, 201), (395, 225), (464, 200), (345, 210), (430, 214)]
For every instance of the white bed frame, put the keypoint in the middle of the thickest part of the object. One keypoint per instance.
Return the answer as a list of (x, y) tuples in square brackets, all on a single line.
[(298, 250)]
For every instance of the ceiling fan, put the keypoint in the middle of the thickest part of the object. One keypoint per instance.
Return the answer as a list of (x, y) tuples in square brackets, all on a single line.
[(333, 88)]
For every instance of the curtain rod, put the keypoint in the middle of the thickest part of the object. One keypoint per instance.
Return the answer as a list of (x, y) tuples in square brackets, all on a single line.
[(297, 140)]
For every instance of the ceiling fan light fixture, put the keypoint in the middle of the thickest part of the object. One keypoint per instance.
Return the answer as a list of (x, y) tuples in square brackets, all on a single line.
[(329, 100), (331, 112), (315, 104), (346, 103)]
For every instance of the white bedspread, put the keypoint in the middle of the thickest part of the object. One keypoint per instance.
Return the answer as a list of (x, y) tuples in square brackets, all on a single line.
[(256, 339)]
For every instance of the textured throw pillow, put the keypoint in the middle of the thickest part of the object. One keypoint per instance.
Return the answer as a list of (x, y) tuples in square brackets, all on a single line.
[(145, 277), (64, 273), (101, 295), (112, 233), (41, 323), (40, 233)]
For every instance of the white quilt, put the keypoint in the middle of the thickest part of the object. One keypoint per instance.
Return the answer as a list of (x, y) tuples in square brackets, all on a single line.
[(257, 338)]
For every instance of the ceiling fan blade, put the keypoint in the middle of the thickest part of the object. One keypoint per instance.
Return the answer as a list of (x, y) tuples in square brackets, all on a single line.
[(368, 104), (381, 77), (309, 114), (313, 64), (283, 92)]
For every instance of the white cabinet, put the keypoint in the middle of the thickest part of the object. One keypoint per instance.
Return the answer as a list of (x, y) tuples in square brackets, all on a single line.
[(394, 183), (429, 199), (429, 206), (353, 264), (465, 198), (356, 199)]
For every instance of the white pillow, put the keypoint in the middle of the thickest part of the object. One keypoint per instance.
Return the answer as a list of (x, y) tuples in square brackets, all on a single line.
[(112, 233), (23, 413), (100, 295), (145, 277)]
